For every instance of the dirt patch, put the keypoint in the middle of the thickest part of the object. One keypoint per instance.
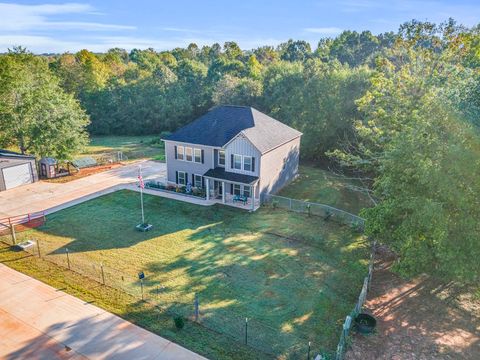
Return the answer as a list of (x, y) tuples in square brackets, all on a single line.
[(416, 320), (83, 173)]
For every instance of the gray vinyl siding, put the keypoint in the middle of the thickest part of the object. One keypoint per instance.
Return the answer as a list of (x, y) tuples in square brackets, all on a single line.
[(174, 165), (242, 146), (279, 166), (6, 162)]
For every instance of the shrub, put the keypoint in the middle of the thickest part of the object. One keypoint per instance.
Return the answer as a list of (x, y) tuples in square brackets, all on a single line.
[(179, 322)]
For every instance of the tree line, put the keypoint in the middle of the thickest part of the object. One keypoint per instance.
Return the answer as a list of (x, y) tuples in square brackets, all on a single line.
[(399, 111)]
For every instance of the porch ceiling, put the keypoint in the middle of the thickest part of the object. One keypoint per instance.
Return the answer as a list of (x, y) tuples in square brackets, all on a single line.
[(219, 173)]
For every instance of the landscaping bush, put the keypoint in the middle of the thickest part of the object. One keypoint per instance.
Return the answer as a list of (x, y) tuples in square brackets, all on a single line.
[(179, 322)]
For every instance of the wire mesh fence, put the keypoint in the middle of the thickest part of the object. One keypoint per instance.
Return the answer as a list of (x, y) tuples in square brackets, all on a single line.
[(250, 332), (347, 325), (315, 209)]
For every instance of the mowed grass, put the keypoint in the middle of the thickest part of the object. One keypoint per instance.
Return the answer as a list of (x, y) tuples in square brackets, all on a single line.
[(317, 185), (295, 277), (134, 147)]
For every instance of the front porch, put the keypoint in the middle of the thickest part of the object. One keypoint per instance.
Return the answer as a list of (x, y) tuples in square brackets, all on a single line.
[(232, 189), (229, 200)]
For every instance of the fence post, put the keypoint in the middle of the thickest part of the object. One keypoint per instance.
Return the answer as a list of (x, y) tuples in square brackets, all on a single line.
[(308, 353), (246, 331), (141, 286), (196, 305), (14, 236), (290, 204), (68, 259), (38, 248), (103, 274)]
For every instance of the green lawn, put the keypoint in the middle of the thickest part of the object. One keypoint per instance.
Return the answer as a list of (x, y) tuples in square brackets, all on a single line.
[(134, 147), (295, 277), (316, 185)]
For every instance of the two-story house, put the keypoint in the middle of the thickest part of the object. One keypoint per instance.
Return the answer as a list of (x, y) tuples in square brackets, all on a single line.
[(233, 150)]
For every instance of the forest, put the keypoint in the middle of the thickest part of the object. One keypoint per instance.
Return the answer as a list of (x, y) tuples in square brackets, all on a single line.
[(398, 111)]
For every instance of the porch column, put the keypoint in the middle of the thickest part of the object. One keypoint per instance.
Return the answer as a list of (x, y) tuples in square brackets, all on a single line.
[(223, 192), (207, 184), (253, 197)]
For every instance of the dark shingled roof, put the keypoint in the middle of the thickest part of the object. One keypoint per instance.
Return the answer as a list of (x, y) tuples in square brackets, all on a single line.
[(8, 153), (221, 124), (220, 173)]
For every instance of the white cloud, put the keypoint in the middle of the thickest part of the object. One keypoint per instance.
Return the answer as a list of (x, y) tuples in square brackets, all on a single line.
[(324, 30), (16, 17)]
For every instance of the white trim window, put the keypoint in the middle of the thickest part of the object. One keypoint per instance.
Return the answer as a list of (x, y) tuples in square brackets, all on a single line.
[(237, 162), (247, 190), (188, 154), (182, 178), (197, 181), (180, 153), (197, 155), (247, 163), (221, 157), (236, 189)]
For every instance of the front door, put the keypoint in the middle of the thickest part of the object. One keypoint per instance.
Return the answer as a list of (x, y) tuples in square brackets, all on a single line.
[(218, 187)]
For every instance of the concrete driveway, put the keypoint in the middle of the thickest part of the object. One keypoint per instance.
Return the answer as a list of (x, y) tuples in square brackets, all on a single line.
[(41, 196), (38, 321)]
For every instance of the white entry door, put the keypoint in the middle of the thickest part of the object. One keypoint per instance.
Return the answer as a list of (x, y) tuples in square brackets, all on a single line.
[(17, 175)]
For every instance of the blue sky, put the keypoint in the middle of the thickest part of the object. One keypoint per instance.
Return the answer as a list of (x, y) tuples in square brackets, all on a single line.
[(58, 26)]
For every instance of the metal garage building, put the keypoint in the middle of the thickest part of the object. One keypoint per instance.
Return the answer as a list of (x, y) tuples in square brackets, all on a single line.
[(16, 169)]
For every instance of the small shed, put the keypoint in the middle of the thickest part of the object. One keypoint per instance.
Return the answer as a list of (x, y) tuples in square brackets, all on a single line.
[(50, 168)]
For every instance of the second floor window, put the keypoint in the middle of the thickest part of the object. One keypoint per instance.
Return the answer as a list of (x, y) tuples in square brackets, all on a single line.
[(198, 155), (180, 153), (247, 163), (188, 154), (237, 162), (221, 157)]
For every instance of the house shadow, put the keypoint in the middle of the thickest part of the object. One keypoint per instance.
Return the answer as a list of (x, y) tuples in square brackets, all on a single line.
[(293, 276)]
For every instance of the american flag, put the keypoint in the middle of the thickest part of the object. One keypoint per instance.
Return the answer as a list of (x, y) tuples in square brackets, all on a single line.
[(140, 179)]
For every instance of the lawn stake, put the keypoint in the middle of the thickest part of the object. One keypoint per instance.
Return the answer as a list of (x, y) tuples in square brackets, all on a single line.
[(68, 258), (246, 331), (308, 354), (195, 303), (141, 285), (38, 248), (103, 274)]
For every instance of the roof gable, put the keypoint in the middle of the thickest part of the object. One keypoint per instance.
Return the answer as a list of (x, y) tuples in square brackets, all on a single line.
[(222, 124)]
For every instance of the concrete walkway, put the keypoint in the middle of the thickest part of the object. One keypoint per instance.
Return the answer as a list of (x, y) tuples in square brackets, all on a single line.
[(40, 322), (42, 195)]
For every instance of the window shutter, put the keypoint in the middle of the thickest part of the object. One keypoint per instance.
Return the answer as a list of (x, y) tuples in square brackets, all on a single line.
[(253, 164), (231, 189), (175, 151), (186, 179), (176, 176), (231, 161), (203, 182), (193, 179), (203, 156)]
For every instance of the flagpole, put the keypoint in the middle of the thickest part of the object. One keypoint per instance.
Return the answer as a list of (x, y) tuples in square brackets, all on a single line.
[(141, 191)]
